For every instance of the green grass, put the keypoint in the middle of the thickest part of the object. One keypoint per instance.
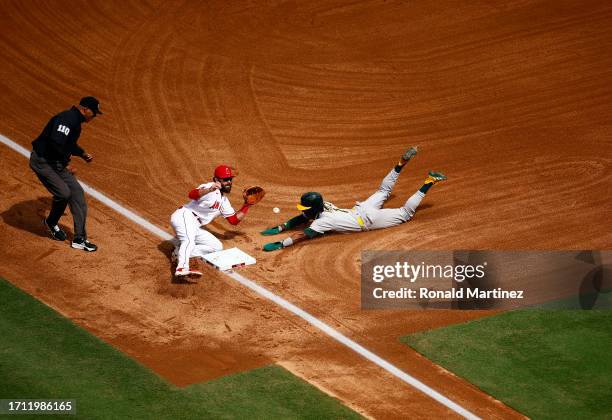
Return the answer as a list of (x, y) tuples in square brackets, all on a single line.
[(545, 364), (43, 355)]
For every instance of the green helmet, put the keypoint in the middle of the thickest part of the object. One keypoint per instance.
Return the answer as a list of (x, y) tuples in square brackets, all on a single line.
[(311, 204)]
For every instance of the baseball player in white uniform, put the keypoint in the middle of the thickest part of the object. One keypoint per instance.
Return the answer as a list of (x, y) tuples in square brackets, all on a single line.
[(208, 201), (322, 216)]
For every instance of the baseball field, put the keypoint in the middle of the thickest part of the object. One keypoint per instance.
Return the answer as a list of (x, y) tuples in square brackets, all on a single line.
[(510, 99)]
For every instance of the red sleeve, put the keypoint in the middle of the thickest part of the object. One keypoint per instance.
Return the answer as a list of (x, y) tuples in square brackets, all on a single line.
[(194, 194), (233, 219)]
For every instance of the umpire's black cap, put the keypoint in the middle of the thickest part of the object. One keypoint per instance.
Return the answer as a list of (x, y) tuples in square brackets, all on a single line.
[(91, 103)]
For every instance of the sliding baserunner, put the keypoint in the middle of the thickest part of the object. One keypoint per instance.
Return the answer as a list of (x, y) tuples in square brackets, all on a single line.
[(320, 216)]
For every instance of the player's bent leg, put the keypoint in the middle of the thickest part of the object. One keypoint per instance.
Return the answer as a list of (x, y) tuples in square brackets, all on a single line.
[(206, 243), (185, 226), (388, 182), (413, 202), (384, 218), (410, 206), (377, 199)]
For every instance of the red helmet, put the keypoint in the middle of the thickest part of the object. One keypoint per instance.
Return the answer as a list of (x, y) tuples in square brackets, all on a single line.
[(223, 171)]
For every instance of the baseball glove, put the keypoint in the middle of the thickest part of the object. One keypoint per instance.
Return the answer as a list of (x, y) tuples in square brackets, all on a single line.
[(253, 195)]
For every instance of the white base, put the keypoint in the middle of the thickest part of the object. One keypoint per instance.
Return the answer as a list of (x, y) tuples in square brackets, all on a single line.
[(228, 259)]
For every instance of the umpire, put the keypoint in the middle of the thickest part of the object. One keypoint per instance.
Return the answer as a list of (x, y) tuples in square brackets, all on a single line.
[(50, 160)]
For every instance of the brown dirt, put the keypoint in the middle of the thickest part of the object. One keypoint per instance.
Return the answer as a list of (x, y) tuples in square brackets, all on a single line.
[(511, 100)]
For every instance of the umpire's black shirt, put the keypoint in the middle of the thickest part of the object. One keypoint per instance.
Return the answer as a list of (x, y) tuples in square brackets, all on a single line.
[(58, 140)]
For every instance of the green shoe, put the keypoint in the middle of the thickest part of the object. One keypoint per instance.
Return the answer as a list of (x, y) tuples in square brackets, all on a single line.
[(434, 177)]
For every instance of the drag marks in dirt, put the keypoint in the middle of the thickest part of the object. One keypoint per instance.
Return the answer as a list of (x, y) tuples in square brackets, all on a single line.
[(261, 291)]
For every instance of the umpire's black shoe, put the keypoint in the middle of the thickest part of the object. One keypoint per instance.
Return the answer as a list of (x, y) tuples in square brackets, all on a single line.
[(84, 244), (55, 231)]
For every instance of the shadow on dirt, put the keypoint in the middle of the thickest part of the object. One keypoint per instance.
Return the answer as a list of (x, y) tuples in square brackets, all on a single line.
[(423, 207), (166, 248), (28, 216)]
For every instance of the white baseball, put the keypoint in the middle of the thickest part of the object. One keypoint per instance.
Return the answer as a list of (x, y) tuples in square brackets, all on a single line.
[(276, 210)]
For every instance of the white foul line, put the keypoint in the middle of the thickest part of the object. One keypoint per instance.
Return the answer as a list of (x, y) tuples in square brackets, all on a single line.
[(317, 323)]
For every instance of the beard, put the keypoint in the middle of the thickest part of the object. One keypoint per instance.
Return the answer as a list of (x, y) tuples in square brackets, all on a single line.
[(226, 189)]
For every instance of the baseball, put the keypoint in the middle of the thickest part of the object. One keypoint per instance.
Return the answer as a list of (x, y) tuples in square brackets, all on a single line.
[(276, 210)]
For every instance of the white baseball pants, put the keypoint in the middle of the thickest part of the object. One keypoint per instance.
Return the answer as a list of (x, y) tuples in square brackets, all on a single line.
[(194, 240)]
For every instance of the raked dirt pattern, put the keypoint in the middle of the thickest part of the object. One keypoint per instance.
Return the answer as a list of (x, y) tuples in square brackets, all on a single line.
[(512, 100)]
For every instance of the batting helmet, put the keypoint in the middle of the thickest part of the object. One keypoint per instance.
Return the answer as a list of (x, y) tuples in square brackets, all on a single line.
[(311, 204), (223, 171)]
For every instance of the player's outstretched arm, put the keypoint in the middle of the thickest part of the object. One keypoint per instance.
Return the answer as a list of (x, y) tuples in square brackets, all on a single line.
[(252, 196), (292, 240), (289, 224), (234, 219)]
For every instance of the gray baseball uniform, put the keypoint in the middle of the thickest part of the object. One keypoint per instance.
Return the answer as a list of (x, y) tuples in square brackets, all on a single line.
[(368, 214)]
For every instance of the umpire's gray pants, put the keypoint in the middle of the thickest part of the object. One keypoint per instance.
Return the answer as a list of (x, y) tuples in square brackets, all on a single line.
[(66, 190)]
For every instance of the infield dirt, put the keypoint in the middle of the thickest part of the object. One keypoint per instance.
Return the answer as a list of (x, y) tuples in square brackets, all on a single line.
[(511, 100)]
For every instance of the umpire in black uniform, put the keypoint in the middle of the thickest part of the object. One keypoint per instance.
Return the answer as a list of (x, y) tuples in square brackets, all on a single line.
[(50, 160)]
